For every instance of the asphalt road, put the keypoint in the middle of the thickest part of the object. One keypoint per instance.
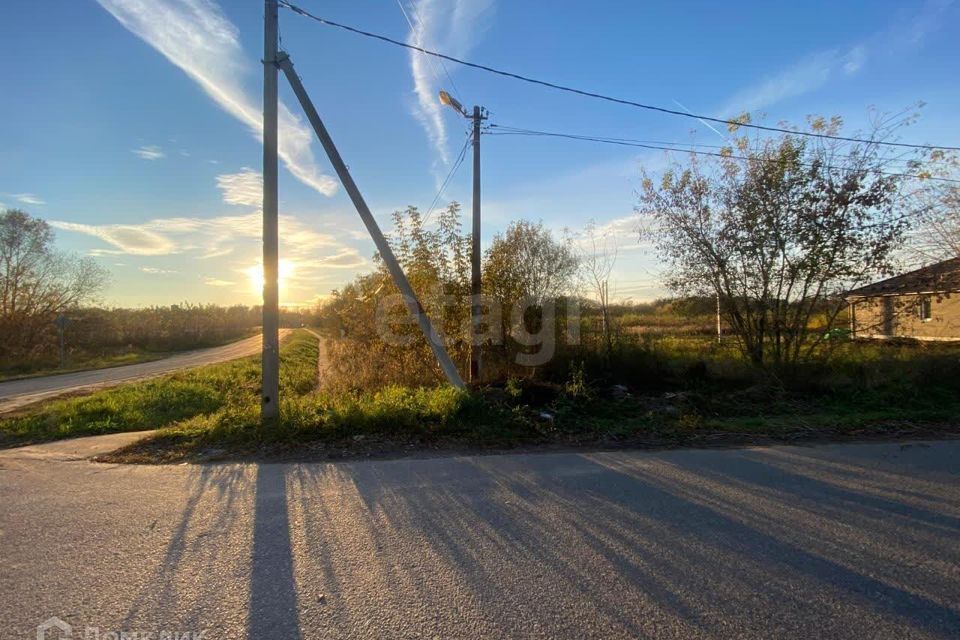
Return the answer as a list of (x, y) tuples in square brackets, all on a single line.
[(846, 541), (19, 393)]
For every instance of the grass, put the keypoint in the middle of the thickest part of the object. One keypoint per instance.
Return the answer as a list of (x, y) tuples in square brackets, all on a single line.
[(163, 401), (577, 412), (663, 394), (384, 421), (682, 391)]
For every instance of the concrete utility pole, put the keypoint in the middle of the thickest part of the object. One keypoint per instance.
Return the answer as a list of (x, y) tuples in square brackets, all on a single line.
[(719, 328), (270, 395), (475, 252), (477, 117), (386, 253)]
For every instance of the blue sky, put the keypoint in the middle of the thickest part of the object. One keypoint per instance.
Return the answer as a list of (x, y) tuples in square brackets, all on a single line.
[(131, 125)]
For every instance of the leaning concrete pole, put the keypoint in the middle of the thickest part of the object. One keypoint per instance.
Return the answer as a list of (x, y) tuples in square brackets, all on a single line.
[(396, 272), (270, 396)]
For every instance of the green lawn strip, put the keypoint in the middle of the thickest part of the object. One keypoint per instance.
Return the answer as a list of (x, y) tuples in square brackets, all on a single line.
[(398, 420), (399, 413), (162, 401)]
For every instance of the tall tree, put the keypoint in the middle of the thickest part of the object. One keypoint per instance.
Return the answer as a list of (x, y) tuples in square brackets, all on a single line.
[(598, 255), (780, 228), (527, 262), (37, 282), (378, 343), (937, 237)]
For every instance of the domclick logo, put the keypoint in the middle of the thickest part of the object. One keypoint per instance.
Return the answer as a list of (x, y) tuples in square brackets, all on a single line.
[(53, 629), (56, 629)]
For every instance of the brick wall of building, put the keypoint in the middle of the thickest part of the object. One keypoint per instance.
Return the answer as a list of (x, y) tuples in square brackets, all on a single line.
[(900, 316)]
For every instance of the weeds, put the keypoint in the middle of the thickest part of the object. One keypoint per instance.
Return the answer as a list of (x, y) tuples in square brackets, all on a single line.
[(664, 393)]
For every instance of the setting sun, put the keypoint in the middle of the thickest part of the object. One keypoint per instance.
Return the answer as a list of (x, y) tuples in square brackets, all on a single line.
[(255, 275)]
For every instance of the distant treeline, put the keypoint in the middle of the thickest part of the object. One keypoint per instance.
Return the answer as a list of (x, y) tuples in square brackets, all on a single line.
[(172, 328), (92, 332)]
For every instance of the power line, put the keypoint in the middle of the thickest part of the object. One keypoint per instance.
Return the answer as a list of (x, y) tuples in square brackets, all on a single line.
[(443, 186), (433, 67), (600, 96), (504, 129), (659, 147), (900, 218), (446, 72)]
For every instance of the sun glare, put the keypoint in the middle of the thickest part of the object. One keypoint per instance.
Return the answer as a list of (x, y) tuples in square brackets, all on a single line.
[(255, 275)]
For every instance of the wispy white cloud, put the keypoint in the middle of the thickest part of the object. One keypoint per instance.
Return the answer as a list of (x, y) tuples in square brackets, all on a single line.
[(807, 75), (195, 36), (816, 70), (148, 152), (25, 198), (208, 238), (215, 253), (928, 20), (308, 253), (138, 240), (157, 271), (855, 59), (242, 188), (311, 261), (217, 282), (346, 258), (621, 234), (451, 26)]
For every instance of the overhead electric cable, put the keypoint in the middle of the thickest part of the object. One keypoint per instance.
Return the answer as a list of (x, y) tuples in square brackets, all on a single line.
[(600, 96), (505, 129), (446, 181), (413, 29), (511, 131)]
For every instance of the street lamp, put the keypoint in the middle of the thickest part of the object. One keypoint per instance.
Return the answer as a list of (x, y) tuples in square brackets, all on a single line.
[(478, 118), (450, 101)]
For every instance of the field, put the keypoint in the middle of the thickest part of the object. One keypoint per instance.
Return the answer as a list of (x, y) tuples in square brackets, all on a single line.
[(666, 392), (659, 387)]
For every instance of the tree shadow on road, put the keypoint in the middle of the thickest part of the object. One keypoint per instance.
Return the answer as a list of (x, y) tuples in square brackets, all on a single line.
[(619, 545), (693, 544), (229, 549), (183, 586)]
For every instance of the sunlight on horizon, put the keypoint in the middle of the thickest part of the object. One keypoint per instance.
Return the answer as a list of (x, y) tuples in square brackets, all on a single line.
[(255, 276)]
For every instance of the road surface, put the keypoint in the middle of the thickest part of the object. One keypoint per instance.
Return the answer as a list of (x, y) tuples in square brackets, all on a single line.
[(847, 541), (19, 393)]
